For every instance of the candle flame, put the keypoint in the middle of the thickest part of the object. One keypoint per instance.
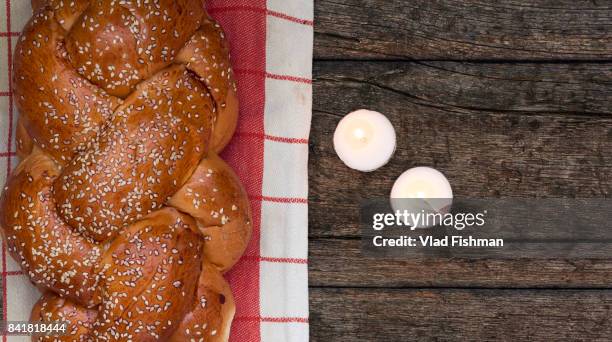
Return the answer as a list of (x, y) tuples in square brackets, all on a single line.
[(360, 134)]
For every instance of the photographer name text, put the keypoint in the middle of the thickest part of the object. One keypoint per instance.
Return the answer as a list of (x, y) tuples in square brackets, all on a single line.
[(430, 241)]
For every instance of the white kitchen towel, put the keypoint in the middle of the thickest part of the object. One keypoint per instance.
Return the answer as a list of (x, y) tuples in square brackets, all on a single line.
[(271, 44)]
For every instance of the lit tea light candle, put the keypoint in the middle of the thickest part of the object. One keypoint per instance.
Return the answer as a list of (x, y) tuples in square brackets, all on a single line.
[(365, 140), (422, 190)]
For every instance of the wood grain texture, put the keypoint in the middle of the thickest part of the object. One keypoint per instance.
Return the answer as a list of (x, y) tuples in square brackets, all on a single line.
[(525, 88), (339, 262), (463, 30), (494, 130), (459, 315), (529, 116)]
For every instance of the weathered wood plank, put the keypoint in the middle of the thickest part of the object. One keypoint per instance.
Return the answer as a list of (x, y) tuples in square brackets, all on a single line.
[(521, 87), (340, 263), (459, 315), (463, 30), (526, 139)]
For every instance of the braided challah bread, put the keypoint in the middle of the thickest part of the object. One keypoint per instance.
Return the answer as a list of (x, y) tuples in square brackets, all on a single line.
[(120, 211)]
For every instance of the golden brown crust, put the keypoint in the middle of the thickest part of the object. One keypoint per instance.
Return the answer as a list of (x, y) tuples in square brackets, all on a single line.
[(214, 305), (124, 105), (60, 110), (48, 250), (38, 4), (133, 39), (148, 278), (66, 12), (24, 142), (207, 55), (227, 120), (51, 308), (136, 164), (217, 200)]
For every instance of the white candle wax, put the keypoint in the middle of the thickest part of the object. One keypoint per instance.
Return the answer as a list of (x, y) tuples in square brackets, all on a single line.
[(424, 183), (365, 140)]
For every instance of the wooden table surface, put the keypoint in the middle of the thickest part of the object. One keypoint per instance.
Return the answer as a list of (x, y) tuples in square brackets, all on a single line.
[(508, 98)]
